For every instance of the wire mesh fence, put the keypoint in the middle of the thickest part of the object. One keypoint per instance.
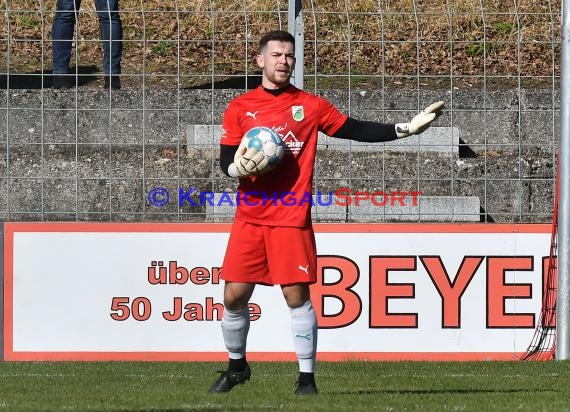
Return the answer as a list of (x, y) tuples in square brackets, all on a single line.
[(91, 152)]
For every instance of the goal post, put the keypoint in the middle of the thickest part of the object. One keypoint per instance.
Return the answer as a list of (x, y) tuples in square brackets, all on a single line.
[(563, 292)]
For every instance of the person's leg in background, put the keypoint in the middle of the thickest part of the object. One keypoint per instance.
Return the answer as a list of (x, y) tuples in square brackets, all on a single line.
[(62, 35), (111, 30)]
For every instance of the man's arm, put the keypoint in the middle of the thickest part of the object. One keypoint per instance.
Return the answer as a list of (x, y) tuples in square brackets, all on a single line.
[(227, 154), (365, 131), (373, 132)]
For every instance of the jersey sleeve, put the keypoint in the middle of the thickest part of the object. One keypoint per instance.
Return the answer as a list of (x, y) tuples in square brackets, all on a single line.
[(231, 129), (331, 119)]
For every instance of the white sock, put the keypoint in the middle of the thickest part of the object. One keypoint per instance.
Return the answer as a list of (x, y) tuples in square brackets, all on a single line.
[(235, 326), (304, 331)]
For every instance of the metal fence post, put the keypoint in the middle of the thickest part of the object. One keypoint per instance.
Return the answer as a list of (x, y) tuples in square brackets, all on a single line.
[(297, 28), (2, 291), (563, 295)]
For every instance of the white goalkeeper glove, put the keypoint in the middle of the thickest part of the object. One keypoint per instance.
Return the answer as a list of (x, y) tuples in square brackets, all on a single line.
[(247, 162), (420, 122)]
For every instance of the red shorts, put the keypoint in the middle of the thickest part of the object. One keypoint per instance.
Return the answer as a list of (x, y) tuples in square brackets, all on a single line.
[(270, 255)]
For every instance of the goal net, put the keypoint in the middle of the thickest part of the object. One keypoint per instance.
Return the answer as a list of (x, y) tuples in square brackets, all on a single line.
[(543, 344)]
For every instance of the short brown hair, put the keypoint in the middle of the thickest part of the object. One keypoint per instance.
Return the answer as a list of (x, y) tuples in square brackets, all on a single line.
[(278, 35)]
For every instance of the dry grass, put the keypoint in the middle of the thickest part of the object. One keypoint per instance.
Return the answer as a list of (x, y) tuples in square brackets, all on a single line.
[(388, 40)]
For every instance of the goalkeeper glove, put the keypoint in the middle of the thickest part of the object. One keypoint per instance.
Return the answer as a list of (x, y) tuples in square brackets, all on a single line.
[(420, 122), (247, 162)]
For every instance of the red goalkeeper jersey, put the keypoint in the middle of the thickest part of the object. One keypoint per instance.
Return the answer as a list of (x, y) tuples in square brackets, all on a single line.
[(282, 196)]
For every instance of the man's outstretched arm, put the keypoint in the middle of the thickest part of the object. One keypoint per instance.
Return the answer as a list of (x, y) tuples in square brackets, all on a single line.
[(372, 132)]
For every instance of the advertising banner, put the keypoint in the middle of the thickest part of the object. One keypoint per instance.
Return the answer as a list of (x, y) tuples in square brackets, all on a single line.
[(151, 291)]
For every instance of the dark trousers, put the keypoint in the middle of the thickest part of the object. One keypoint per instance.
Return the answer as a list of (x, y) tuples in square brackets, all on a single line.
[(110, 28)]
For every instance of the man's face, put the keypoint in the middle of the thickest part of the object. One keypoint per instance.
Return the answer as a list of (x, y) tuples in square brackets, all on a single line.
[(277, 60)]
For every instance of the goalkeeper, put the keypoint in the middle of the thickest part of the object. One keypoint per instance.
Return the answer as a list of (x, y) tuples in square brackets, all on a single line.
[(271, 243)]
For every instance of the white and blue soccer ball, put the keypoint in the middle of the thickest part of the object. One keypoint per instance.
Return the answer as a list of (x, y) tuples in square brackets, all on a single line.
[(267, 141)]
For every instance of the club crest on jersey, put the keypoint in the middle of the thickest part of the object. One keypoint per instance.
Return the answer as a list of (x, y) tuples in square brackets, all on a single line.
[(298, 113)]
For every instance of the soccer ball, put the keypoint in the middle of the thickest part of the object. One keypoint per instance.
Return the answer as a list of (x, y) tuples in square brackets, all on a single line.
[(267, 141)]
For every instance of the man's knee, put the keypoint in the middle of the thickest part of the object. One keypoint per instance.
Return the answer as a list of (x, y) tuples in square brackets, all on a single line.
[(65, 16), (106, 16), (233, 302), (296, 295), (236, 296)]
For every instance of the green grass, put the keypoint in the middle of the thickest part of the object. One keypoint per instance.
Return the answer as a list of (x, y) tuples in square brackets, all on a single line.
[(350, 386)]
